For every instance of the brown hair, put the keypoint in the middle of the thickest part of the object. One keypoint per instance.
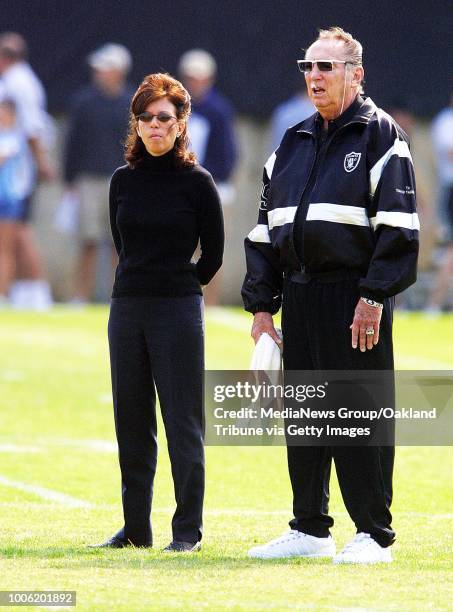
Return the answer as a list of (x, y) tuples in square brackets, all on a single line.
[(153, 87)]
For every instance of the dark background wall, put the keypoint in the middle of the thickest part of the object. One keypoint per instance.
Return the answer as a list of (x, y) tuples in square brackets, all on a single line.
[(407, 43)]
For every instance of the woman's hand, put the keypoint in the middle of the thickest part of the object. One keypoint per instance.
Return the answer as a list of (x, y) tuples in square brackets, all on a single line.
[(263, 322)]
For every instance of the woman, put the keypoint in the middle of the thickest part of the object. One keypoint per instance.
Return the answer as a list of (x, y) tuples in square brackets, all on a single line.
[(161, 204)]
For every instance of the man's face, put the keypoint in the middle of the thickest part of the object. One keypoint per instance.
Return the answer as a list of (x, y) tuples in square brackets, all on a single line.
[(4, 64), (326, 89), (108, 80), (197, 87)]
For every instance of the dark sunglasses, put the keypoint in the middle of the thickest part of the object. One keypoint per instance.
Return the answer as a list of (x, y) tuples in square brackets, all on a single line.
[(306, 66), (161, 117)]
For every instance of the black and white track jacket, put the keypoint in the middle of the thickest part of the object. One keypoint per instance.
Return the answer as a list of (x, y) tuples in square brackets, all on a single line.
[(361, 212)]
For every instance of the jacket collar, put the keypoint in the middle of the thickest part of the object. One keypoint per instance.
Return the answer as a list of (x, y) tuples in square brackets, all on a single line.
[(360, 111)]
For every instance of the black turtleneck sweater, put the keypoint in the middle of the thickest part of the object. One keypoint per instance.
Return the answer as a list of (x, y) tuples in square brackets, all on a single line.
[(158, 213)]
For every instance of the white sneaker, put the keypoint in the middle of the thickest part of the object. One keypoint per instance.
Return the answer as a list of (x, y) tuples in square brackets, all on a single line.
[(294, 544), (363, 549)]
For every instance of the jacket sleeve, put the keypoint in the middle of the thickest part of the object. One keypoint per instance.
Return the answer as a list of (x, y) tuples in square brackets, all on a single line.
[(262, 287), (392, 214)]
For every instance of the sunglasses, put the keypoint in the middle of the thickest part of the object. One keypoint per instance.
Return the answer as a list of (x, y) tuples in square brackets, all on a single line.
[(161, 117), (306, 66)]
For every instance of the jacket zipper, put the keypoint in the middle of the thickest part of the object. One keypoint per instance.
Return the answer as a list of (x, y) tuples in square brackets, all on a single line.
[(298, 209), (324, 153)]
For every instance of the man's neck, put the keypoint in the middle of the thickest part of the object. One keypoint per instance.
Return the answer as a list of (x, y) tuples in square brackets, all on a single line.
[(345, 112)]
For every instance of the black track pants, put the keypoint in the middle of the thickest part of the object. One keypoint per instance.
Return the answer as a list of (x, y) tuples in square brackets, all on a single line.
[(316, 336)]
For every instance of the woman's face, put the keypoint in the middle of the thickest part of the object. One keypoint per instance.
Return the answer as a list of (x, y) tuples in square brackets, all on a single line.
[(159, 136)]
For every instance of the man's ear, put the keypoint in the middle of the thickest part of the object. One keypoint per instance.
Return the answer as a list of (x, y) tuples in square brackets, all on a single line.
[(357, 76)]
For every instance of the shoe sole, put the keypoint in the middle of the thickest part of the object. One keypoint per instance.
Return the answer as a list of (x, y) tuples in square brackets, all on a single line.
[(316, 556), (125, 545), (362, 562), (184, 552)]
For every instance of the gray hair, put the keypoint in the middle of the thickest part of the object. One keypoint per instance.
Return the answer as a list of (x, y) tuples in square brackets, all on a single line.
[(353, 49), (352, 46)]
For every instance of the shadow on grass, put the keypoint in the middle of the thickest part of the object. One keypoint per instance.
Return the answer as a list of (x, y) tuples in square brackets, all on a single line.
[(145, 558)]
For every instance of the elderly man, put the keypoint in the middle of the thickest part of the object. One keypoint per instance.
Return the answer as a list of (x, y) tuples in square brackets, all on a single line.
[(337, 238), (97, 128), (212, 136)]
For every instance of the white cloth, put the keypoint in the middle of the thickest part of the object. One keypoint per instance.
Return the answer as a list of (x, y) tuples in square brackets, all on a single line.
[(266, 366), (267, 354)]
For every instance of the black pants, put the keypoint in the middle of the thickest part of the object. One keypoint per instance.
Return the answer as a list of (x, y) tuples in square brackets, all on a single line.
[(316, 336), (158, 342)]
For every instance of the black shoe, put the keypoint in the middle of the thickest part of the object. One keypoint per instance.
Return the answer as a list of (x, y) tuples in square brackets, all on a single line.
[(114, 542), (118, 541), (184, 547)]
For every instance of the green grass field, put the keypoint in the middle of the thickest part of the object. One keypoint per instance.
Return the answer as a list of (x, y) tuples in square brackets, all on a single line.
[(60, 489)]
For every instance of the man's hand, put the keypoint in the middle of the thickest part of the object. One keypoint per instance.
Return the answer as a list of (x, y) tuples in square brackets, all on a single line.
[(365, 317), (263, 322)]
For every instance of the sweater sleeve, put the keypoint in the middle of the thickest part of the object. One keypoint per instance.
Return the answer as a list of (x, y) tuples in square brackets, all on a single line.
[(113, 207), (211, 231)]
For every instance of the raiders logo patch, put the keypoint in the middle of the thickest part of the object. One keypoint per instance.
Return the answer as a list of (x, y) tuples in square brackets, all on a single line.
[(351, 161)]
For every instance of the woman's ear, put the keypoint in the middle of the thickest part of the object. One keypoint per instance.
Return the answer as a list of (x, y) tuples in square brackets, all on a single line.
[(181, 128)]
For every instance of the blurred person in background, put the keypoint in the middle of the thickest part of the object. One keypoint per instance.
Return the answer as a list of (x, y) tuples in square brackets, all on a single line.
[(162, 203), (19, 83), (93, 149), (288, 113), (442, 137), (212, 135), (401, 111), (16, 183)]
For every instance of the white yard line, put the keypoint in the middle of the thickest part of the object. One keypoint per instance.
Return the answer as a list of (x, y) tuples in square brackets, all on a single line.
[(16, 448), (99, 446), (47, 494)]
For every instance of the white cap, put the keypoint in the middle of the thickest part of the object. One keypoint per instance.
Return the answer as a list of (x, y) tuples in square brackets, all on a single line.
[(111, 56), (198, 64)]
